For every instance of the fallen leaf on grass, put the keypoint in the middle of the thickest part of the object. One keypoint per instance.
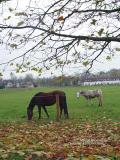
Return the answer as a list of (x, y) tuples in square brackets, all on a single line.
[(59, 140)]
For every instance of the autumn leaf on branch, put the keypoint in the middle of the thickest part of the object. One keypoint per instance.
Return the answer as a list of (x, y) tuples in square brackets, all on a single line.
[(61, 18)]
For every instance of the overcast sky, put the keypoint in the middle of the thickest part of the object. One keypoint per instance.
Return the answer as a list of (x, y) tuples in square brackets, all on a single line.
[(100, 65)]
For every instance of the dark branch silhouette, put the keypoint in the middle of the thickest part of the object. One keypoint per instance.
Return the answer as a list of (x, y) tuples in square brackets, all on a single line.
[(61, 33)]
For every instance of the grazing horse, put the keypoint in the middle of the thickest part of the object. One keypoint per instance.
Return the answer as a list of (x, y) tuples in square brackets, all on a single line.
[(90, 94), (42, 99)]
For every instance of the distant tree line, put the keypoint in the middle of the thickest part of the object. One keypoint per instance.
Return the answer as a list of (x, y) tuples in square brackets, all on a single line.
[(113, 74), (64, 80)]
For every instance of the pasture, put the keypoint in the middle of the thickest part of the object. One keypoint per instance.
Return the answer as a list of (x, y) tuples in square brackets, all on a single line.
[(91, 133), (13, 104)]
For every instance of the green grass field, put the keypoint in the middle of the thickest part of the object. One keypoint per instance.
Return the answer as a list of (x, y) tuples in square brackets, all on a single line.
[(27, 138), (13, 104)]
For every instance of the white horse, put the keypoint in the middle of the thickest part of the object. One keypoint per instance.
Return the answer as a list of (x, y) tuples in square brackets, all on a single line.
[(90, 94)]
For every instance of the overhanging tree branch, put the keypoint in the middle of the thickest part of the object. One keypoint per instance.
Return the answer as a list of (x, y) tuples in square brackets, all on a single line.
[(93, 11), (64, 32), (78, 37)]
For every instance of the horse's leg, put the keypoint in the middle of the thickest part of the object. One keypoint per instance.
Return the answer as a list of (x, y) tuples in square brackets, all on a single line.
[(45, 110), (39, 111), (91, 100), (58, 107), (100, 101), (61, 111), (88, 101)]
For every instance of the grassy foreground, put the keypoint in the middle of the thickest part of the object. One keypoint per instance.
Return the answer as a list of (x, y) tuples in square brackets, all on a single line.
[(91, 133)]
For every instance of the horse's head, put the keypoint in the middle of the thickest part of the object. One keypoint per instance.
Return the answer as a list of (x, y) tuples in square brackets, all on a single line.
[(29, 113), (78, 94)]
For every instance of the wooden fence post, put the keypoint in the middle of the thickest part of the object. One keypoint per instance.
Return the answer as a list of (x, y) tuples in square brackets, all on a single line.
[(58, 108)]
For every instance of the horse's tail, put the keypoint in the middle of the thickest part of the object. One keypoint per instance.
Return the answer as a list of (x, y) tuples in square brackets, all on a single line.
[(63, 105)]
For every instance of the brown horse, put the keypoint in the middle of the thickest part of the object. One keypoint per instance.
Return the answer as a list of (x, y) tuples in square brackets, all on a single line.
[(42, 99)]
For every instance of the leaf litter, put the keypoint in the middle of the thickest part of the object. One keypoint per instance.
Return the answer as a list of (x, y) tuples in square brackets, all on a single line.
[(61, 140)]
